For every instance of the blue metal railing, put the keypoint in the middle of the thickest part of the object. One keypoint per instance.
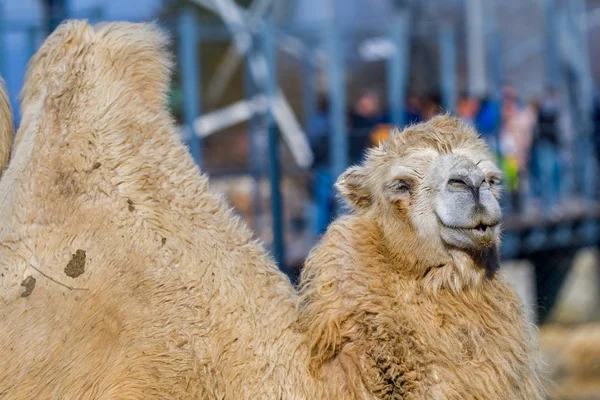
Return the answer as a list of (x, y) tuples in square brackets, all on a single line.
[(189, 63)]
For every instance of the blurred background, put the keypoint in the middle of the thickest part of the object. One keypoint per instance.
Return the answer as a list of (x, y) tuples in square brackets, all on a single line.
[(275, 98)]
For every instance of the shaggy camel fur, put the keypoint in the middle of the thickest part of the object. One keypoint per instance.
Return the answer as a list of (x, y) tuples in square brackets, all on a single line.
[(6, 127), (400, 298), (122, 276)]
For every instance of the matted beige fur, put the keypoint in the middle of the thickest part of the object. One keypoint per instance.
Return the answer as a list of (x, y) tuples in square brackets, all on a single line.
[(122, 276), (6, 127), (399, 305)]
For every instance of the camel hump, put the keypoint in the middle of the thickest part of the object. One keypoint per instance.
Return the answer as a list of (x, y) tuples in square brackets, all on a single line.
[(96, 85), (118, 59)]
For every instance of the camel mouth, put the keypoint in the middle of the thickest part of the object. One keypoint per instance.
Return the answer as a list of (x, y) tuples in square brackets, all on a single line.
[(480, 236), (483, 228), (482, 231), (479, 228)]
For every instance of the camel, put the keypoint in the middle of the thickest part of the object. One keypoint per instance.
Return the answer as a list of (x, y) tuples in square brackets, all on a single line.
[(6, 127), (401, 299), (121, 274)]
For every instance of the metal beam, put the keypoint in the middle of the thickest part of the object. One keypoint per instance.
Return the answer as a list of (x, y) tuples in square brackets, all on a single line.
[(476, 48), (398, 66), (268, 48), (552, 40), (283, 113), (309, 89), (338, 139), (3, 54), (56, 12), (256, 152), (208, 4), (190, 78), (232, 58), (535, 44), (448, 68), (496, 61), (585, 98), (231, 115)]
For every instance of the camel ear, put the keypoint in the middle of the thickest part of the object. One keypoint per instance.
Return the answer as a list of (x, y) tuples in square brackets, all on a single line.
[(354, 188)]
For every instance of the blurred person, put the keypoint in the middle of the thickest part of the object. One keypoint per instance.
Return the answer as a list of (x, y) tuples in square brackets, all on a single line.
[(545, 151), (488, 121), (508, 151), (411, 114), (510, 94), (432, 106), (467, 109), (516, 134), (380, 134), (366, 110), (318, 130), (322, 184), (520, 127), (365, 115), (413, 110)]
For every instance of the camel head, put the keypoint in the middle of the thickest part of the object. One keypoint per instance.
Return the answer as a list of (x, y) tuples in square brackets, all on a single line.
[(433, 190)]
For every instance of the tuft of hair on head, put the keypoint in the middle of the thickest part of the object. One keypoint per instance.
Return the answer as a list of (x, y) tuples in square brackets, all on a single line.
[(443, 133), (6, 127)]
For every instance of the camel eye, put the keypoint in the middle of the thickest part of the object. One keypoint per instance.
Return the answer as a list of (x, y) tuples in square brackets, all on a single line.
[(458, 184), (401, 186), (493, 181)]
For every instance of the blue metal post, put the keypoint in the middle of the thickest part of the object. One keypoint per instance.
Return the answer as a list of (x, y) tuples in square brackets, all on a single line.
[(398, 67), (2, 39), (475, 46), (31, 41), (309, 87), (448, 68), (97, 14), (495, 60), (268, 47), (254, 149), (338, 143), (56, 12), (584, 98), (190, 78), (551, 53), (495, 80)]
